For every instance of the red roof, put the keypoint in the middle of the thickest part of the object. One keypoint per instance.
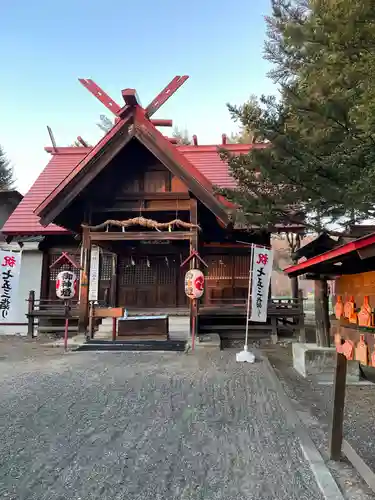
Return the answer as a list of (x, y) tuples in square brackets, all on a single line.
[(62, 164), (207, 161), (335, 253)]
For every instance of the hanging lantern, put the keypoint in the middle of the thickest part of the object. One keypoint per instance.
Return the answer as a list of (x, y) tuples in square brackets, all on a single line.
[(66, 285), (194, 284)]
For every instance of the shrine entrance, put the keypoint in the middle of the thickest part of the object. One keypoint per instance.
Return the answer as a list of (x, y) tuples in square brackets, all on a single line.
[(155, 281)]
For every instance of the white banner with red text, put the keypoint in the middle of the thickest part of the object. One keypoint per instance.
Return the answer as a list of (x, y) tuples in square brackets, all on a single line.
[(261, 270), (10, 267)]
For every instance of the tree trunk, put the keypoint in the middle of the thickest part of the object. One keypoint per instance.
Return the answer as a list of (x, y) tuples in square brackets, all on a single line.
[(322, 323)]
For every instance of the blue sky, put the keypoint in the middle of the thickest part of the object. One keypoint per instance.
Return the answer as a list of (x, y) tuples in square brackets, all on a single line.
[(46, 46)]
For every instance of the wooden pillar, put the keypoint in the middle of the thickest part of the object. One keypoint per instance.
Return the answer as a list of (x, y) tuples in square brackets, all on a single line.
[(193, 265), (337, 422), (30, 317), (83, 310), (113, 289), (301, 319), (322, 324), (45, 281)]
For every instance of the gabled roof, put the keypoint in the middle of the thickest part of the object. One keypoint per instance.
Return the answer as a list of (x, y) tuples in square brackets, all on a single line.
[(134, 124), (331, 256), (320, 244), (24, 221)]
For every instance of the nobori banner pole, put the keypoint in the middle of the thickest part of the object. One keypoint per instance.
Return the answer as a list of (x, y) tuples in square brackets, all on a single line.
[(249, 298), (245, 355), (66, 306)]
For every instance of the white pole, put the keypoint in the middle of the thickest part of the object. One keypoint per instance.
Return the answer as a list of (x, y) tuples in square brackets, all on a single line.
[(249, 297)]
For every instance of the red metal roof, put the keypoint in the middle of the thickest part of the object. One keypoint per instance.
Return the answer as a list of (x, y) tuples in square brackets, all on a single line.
[(207, 160), (91, 153), (340, 251), (23, 220), (66, 161)]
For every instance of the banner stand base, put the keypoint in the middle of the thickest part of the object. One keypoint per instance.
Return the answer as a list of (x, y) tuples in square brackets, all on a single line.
[(245, 356)]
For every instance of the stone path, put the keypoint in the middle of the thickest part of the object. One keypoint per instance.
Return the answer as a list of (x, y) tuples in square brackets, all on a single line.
[(313, 403), (146, 426)]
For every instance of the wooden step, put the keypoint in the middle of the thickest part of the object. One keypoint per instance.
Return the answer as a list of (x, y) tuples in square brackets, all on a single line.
[(144, 345), (235, 327)]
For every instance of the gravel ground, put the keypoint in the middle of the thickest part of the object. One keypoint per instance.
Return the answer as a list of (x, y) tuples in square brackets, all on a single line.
[(147, 425), (313, 403)]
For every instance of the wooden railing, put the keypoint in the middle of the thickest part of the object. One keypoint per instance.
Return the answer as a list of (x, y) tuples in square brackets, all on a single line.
[(283, 313), (48, 309), (288, 305)]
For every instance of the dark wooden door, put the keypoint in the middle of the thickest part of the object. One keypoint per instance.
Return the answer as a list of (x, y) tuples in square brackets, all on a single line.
[(227, 278), (148, 282)]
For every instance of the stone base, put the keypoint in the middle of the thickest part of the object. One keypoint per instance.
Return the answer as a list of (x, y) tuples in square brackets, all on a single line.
[(319, 362), (208, 342)]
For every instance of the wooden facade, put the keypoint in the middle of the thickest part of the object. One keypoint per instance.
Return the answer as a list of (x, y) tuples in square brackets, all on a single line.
[(140, 266)]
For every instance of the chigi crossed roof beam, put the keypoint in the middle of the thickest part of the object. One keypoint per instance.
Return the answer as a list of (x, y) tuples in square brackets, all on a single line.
[(131, 99)]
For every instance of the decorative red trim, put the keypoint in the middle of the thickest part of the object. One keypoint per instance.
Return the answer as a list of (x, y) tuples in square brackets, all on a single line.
[(99, 93), (64, 257), (160, 122), (332, 254), (130, 97), (193, 254), (165, 94), (91, 154)]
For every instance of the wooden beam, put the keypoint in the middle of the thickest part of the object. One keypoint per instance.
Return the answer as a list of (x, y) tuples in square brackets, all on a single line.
[(158, 122), (367, 252), (165, 94), (130, 97), (102, 96), (83, 142), (140, 235), (154, 196), (52, 137), (138, 209)]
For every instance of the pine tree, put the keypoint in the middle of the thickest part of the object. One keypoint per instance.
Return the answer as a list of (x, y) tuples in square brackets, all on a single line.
[(6, 172), (182, 136), (320, 160), (244, 134), (105, 124)]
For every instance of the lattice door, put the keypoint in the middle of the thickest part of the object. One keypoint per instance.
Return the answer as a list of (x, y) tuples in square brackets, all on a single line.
[(147, 282)]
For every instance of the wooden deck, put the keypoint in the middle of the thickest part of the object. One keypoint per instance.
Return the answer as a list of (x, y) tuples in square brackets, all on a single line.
[(228, 319)]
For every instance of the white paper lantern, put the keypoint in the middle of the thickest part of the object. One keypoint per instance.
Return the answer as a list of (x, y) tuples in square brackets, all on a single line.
[(194, 284), (66, 285)]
